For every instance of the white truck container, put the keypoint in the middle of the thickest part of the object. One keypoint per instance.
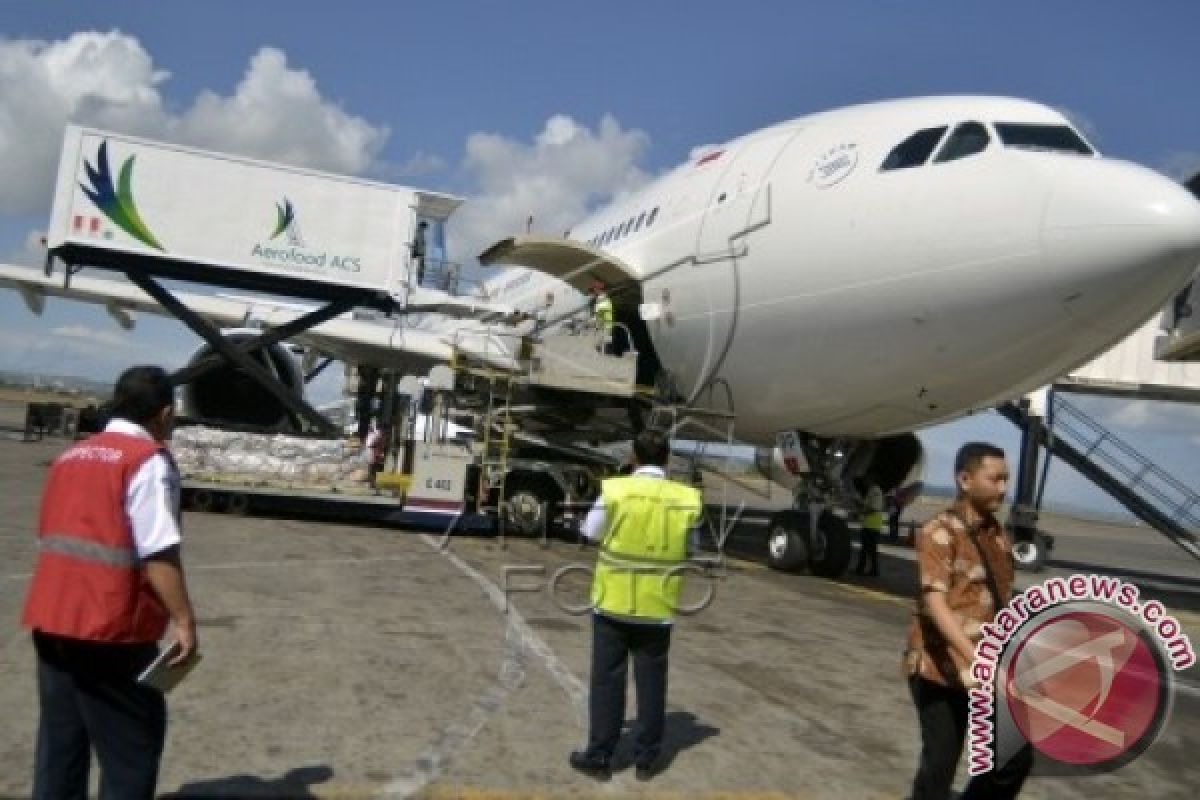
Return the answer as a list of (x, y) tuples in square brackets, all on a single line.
[(119, 195)]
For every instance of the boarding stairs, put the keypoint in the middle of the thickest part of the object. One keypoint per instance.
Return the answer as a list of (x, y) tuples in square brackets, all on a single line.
[(1147, 490)]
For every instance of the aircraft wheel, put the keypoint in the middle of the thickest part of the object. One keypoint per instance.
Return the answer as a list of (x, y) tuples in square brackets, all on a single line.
[(787, 549), (829, 550), (1029, 555)]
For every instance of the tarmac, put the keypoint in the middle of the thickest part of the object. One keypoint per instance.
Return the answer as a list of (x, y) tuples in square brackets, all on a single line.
[(346, 661)]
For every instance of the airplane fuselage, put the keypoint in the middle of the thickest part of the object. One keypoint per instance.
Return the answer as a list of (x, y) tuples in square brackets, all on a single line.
[(885, 267)]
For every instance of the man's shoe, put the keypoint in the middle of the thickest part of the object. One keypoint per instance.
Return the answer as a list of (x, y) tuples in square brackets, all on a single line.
[(592, 766), (644, 772)]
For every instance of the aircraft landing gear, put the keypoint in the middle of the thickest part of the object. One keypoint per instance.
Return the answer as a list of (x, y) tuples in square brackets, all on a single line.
[(795, 544), (1030, 553), (816, 533), (787, 541)]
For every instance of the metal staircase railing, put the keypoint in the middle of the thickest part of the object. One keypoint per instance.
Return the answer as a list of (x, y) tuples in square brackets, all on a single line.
[(1147, 490), (1138, 473)]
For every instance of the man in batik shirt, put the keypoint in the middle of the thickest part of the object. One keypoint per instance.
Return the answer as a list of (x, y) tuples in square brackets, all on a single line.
[(965, 570)]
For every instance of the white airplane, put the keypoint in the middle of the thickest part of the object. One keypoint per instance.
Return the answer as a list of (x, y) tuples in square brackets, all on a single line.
[(842, 279)]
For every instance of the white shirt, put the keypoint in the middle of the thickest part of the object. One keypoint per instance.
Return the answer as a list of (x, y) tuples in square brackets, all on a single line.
[(152, 499)]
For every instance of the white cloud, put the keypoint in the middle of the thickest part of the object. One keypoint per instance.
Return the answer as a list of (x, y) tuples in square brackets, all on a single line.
[(98, 338), (557, 178), (71, 350), (108, 80), (420, 164), (73, 339), (278, 113)]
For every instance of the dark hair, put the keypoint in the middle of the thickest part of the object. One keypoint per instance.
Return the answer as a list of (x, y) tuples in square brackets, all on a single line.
[(971, 455), (652, 448), (141, 393)]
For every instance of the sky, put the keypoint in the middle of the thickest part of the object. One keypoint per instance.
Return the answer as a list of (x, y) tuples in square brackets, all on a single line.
[(552, 109)]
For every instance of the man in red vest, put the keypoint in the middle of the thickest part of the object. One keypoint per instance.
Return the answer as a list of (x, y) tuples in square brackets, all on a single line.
[(108, 581)]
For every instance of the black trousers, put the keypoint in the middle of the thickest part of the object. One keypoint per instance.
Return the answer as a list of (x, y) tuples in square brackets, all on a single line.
[(89, 698), (613, 641), (868, 552), (943, 717)]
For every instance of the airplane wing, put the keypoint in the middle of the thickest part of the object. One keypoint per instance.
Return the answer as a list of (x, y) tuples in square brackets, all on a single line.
[(384, 343), (572, 262)]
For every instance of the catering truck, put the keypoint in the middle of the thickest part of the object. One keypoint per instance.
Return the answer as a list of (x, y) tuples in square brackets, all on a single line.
[(153, 210), (229, 220)]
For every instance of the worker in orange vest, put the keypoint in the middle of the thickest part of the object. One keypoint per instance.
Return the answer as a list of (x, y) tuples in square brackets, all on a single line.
[(108, 581)]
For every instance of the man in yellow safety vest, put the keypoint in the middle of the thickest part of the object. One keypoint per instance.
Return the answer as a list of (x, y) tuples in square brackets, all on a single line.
[(873, 520), (643, 525), (602, 314)]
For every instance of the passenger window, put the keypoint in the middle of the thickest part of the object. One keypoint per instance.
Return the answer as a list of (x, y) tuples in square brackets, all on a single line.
[(967, 140), (641, 219), (915, 150), (629, 224), (650, 219)]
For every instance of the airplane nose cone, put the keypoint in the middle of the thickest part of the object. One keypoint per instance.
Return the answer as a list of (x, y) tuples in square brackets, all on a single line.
[(1148, 217), (1121, 239)]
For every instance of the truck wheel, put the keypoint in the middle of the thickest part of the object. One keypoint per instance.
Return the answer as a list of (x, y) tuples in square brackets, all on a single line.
[(787, 549), (529, 503), (202, 500), (829, 550), (1029, 555), (237, 504)]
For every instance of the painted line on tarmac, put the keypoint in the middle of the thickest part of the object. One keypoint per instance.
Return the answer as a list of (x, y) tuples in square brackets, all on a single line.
[(456, 736), (562, 675), (875, 594), (519, 641)]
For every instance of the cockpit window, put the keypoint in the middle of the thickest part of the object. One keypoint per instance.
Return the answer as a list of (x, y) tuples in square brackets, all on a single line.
[(968, 139), (915, 150), (1050, 138)]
